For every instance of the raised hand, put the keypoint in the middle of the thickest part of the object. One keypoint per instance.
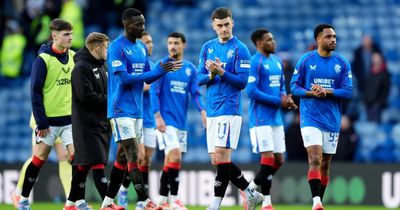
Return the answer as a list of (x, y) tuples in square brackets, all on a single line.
[(215, 67), (171, 65)]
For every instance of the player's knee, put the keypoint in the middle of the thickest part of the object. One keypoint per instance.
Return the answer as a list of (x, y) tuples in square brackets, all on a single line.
[(146, 161), (314, 160), (220, 156), (325, 165), (62, 157), (279, 161), (175, 159), (43, 155), (132, 156), (175, 155)]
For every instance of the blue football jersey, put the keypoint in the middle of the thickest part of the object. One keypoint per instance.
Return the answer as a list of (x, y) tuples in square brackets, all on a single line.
[(148, 116), (264, 89), (224, 93), (333, 73), (170, 94), (125, 93)]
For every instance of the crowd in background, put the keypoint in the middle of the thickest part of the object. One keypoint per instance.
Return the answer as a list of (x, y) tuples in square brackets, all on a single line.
[(24, 27)]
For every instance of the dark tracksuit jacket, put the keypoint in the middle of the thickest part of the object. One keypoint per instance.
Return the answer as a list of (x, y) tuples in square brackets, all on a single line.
[(91, 129)]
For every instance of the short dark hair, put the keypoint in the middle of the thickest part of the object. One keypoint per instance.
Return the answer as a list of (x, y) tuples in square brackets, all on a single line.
[(319, 28), (258, 34), (59, 24), (178, 35), (130, 12), (145, 33), (94, 39), (221, 13)]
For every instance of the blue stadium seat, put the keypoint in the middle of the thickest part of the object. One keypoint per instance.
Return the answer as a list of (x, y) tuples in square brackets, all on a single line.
[(395, 135)]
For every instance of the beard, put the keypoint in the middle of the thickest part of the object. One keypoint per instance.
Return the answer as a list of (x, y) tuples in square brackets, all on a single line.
[(330, 47)]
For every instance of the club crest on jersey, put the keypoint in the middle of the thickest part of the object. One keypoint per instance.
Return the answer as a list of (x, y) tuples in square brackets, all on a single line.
[(337, 68), (266, 66), (229, 54), (188, 72), (313, 67), (209, 50)]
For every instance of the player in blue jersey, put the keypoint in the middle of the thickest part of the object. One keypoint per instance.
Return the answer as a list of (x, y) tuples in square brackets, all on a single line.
[(170, 99), (322, 79), (146, 148), (266, 90), (128, 68), (224, 68)]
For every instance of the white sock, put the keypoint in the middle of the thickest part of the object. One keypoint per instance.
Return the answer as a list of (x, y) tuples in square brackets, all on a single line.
[(173, 198), (107, 201), (316, 200), (18, 191), (146, 201), (216, 203), (123, 189), (162, 199), (267, 200), (23, 198), (79, 202), (249, 192), (253, 185), (69, 203)]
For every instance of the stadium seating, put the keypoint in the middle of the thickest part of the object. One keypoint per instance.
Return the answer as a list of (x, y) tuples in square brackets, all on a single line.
[(292, 23)]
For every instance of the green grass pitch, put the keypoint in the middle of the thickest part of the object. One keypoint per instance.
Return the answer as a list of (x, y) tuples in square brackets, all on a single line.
[(52, 206)]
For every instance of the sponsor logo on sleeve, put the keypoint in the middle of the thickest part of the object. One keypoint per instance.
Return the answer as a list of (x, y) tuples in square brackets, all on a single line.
[(251, 79), (245, 64), (279, 65), (116, 63)]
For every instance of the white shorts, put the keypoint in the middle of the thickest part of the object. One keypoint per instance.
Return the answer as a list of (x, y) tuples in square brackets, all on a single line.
[(315, 136), (223, 131), (64, 132), (171, 139), (149, 137), (268, 138), (127, 128)]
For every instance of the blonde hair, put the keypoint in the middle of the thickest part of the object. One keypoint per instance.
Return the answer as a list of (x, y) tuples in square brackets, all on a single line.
[(95, 39)]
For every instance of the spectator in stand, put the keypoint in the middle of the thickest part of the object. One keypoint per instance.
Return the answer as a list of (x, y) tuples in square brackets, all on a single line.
[(295, 150), (362, 61), (378, 88), (348, 140)]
